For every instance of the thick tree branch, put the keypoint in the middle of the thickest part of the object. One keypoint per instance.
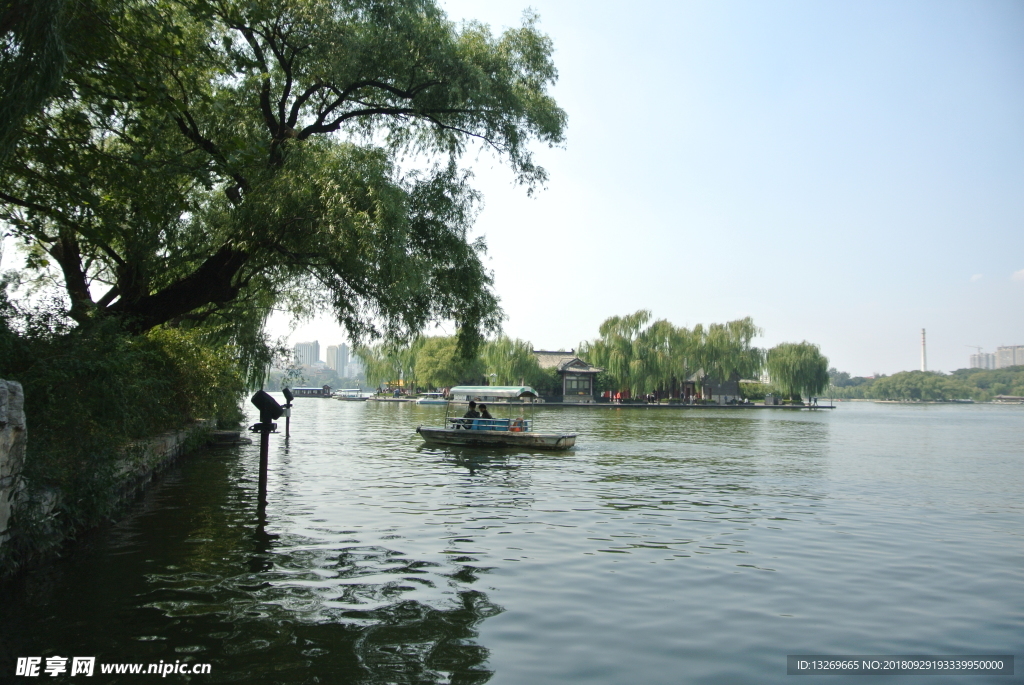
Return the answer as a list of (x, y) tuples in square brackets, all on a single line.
[(293, 117), (268, 114), (214, 282), (109, 297), (60, 220), (42, 209), (390, 111), (188, 127), (344, 94)]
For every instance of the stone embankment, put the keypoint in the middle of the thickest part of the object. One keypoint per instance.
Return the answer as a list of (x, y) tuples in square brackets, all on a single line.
[(140, 463), (13, 437)]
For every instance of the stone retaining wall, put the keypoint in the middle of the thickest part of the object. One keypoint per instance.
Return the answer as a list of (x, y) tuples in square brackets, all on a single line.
[(141, 462), (12, 450), (149, 457)]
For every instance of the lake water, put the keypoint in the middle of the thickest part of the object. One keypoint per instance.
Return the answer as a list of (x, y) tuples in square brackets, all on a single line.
[(693, 546)]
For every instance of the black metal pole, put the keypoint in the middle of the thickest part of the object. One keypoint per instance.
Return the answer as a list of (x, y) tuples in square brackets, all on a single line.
[(269, 411), (288, 397), (264, 460)]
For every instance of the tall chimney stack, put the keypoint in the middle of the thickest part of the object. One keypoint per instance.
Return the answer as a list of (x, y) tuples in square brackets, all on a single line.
[(924, 353)]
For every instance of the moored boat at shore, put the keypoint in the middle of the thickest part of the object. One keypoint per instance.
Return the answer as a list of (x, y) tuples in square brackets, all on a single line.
[(350, 395)]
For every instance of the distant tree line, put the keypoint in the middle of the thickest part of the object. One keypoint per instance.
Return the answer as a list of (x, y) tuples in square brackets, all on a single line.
[(979, 385)]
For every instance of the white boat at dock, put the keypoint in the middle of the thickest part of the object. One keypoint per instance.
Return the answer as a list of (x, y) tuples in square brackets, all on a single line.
[(350, 395), (514, 431)]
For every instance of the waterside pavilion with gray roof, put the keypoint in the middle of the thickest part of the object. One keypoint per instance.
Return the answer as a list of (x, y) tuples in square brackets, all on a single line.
[(577, 375)]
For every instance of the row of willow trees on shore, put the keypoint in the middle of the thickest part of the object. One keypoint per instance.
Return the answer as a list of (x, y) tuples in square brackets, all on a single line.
[(436, 362), (638, 356), (645, 357)]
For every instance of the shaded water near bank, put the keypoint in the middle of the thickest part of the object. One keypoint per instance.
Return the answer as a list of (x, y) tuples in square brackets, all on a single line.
[(668, 547)]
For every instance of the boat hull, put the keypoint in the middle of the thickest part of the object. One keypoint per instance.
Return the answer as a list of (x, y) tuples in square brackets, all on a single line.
[(484, 438)]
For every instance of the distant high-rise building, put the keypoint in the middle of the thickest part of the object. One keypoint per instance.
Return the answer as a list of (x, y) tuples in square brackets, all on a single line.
[(337, 359), (355, 367), (983, 360), (1009, 355), (307, 353)]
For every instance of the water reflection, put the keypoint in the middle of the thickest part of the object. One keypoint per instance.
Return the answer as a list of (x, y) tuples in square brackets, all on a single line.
[(697, 542), (204, 573)]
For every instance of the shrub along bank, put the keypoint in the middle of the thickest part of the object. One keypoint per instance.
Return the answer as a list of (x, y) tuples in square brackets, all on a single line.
[(90, 393)]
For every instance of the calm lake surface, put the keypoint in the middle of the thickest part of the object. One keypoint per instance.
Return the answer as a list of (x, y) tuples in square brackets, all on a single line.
[(695, 546)]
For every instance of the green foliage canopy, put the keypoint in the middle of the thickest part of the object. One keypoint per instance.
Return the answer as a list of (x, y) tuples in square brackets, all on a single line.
[(511, 360), (36, 37), (219, 158), (88, 394), (797, 368), (981, 385), (438, 362), (918, 385), (644, 358)]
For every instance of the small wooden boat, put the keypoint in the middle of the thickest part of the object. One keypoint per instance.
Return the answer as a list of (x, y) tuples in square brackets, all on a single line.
[(514, 431)]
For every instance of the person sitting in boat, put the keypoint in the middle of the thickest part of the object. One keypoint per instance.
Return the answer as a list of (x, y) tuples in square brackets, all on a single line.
[(467, 418), (484, 414)]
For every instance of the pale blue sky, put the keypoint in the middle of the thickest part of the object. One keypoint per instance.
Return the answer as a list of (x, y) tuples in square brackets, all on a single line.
[(844, 173)]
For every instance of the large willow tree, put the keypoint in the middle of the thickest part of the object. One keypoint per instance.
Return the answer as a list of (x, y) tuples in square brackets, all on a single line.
[(645, 358), (797, 368), (437, 362), (510, 361), (620, 350), (213, 159), (724, 351)]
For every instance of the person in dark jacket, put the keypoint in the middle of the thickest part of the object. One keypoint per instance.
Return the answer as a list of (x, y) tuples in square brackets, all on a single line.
[(467, 418)]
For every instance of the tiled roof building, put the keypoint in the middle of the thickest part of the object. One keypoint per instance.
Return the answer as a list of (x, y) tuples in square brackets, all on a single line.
[(577, 375)]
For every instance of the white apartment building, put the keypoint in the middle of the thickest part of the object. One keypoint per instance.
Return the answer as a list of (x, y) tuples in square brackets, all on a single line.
[(1009, 355), (337, 359), (983, 360), (355, 367), (307, 353)]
